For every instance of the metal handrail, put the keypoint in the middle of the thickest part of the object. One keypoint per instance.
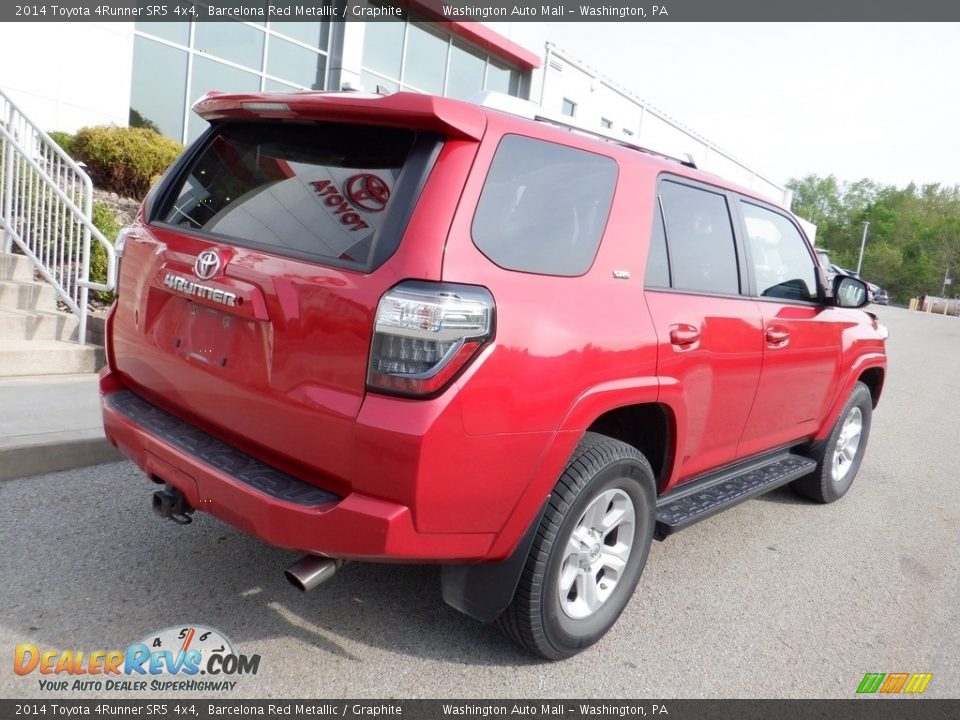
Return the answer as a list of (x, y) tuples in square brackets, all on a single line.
[(46, 210)]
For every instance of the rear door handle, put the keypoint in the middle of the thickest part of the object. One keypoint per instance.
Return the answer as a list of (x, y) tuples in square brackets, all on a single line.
[(684, 336), (777, 337)]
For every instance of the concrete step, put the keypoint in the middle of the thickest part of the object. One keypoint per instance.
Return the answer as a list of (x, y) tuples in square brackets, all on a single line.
[(54, 451), (27, 295), (15, 267), (48, 357), (50, 423), (37, 325)]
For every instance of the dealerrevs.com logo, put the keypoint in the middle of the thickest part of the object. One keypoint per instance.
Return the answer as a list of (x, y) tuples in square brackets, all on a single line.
[(190, 658), (894, 683)]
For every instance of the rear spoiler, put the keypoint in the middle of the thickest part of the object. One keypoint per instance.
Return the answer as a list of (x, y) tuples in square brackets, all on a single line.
[(451, 118)]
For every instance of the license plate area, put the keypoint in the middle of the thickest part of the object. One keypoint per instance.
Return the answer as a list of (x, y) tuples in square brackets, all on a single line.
[(207, 336)]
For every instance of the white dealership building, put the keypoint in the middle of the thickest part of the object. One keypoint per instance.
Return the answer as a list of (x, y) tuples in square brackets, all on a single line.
[(68, 75)]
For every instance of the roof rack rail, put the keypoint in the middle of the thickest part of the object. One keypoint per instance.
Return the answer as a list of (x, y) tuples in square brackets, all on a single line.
[(532, 111)]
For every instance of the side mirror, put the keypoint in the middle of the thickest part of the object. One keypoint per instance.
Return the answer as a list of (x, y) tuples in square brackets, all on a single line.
[(849, 292)]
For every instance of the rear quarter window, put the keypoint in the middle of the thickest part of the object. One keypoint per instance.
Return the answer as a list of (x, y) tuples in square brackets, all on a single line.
[(544, 206), (318, 191)]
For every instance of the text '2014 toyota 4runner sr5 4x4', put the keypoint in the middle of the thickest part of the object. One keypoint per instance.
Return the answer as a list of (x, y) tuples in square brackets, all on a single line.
[(408, 328)]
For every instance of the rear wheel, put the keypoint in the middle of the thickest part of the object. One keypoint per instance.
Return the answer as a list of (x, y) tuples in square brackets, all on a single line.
[(839, 458), (589, 551)]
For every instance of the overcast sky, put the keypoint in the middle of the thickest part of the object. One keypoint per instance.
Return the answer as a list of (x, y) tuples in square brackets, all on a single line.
[(856, 100)]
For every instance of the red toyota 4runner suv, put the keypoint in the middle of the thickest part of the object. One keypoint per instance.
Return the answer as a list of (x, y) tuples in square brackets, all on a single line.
[(413, 329)]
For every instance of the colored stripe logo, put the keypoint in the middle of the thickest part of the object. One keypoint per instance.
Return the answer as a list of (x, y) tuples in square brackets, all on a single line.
[(894, 683)]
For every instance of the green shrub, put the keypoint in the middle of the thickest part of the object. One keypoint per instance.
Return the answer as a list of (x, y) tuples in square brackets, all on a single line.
[(64, 139), (124, 160), (106, 223)]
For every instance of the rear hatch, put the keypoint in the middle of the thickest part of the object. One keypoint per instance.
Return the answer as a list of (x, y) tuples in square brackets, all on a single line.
[(247, 295)]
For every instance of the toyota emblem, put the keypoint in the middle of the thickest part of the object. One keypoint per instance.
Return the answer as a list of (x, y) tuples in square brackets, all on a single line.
[(207, 264), (367, 192)]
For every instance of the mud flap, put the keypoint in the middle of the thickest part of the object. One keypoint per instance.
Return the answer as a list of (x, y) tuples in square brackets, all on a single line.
[(484, 590)]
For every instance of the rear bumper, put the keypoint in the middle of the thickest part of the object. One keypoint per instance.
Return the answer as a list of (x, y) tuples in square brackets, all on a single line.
[(265, 502)]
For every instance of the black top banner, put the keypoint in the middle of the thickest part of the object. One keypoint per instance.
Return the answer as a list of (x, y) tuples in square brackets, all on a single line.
[(165, 709), (483, 10)]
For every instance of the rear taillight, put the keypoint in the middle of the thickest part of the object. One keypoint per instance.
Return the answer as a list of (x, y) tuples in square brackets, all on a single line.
[(425, 334)]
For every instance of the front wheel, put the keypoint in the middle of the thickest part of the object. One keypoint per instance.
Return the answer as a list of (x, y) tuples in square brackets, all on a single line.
[(589, 551), (839, 458)]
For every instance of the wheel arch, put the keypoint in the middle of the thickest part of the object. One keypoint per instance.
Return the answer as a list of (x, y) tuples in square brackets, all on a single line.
[(869, 369), (607, 409), (873, 378), (648, 427), (629, 414)]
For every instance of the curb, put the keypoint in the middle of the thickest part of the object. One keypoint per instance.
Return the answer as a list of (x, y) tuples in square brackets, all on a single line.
[(55, 451)]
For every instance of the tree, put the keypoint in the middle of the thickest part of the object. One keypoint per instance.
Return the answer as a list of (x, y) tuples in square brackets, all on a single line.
[(914, 233), (817, 199)]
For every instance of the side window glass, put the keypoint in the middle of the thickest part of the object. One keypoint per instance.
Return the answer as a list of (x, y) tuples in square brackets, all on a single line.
[(658, 265), (782, 265), (544, 206), (703, 257)]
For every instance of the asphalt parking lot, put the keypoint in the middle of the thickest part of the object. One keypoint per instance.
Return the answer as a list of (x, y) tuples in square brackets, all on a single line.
[(775, 598)]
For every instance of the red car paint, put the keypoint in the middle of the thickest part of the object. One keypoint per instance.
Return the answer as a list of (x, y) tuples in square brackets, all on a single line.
[(459, 475)]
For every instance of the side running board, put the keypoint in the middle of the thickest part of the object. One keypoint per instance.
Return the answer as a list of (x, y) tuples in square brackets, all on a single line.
[(700, 499)]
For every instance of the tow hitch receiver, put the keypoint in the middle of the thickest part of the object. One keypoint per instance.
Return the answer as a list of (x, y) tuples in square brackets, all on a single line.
[(170, 503)]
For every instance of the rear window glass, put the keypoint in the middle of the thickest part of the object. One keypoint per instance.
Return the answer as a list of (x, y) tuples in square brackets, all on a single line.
[(544, 206), (320, 190)]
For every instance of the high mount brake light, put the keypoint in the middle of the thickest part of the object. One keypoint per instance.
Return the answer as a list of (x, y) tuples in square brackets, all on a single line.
[(425, 333), (266, 107)]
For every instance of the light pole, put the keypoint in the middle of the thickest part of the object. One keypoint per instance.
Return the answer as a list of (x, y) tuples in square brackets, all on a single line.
[(863, 244), (947, 280)]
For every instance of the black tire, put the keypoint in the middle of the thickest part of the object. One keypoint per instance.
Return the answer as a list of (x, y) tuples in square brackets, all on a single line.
[(535, 619), (822, 486)]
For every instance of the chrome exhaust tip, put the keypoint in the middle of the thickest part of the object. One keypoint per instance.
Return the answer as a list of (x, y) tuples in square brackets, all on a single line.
[(311, 570)]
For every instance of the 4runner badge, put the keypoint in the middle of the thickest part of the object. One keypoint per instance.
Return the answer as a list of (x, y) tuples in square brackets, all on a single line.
[(208, 292)]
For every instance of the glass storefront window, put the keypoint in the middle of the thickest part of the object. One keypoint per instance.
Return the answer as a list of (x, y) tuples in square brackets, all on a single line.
[(210, 75), (157, 97), (465, 76), (314, 34), (231, 41), (419, 56), (383, 47), (159, 90), (277, 86), (296, 64), (502, 78), (280, 56), (371, 82), (172, 31), (426, 59)]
